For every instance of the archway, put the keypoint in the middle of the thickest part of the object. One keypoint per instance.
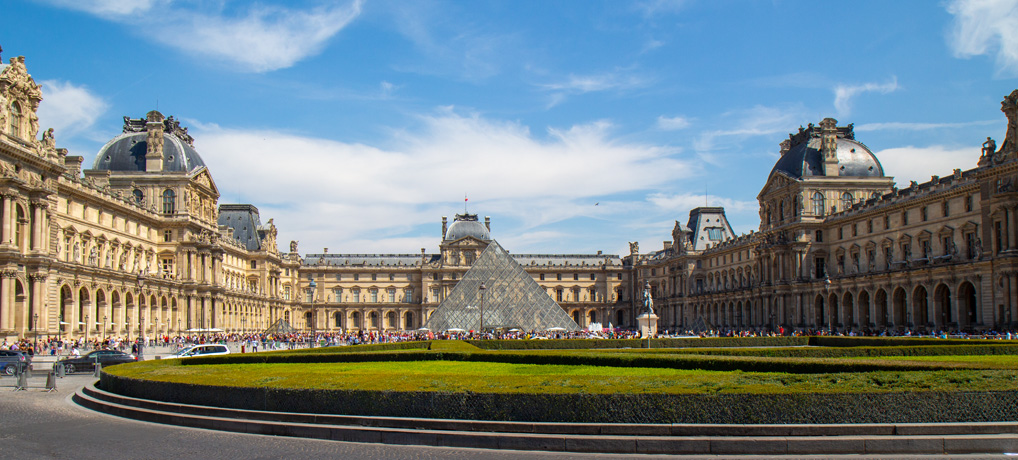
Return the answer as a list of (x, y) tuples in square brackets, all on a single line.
[(408, 321), (848, 309), (967, 308), (942, 308), (898, 308), (373, 320), (66, 309), (620, 317), (355, 317), (390, 319), (864, 310), (85, 306), (576, 317), (920, 307), (880, 309), (832, 314), (591, 316), (818, 311)]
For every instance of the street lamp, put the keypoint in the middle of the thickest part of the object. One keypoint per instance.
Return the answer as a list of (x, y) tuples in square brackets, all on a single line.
[(86, 328), (178, 327), (104, 328), (35, 327), (311, 297), (127, 327)]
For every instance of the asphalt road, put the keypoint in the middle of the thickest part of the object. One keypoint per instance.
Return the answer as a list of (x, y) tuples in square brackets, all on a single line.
[(39, 425)]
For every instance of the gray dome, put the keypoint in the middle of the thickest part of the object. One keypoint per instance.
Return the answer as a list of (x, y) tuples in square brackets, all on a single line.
[(804, 159), (467, 225), (126, 152)]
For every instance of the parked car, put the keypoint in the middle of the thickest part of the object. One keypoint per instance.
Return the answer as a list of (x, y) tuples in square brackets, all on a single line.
[(209, 349), (10, 359), (87, 363)]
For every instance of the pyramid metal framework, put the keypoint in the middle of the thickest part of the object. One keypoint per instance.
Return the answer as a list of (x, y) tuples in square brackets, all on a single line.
[(281, 326), (511, 299)]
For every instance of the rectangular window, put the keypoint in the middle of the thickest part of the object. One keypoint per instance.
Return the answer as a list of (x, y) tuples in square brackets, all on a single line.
[(714, 234), (167, 236), (374, 295), (592, 294), (286, 292), (948, 245), (620, 277), (392, 295), (576, 276), (355, 295), (819, 236), (869, 226), (841, 233), (542, 276), (968, 203), (339, 277), (558, 276), (887, 222), (871, 258), (356, 276), (254, 264), (374, 277), (558, 295), (820, 266), (904, 217), (337, 294), (592, 277), (167, 266), (392, 277), (945, 209)]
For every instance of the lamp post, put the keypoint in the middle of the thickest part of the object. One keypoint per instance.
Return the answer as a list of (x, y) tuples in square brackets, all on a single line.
[(178, 328), (311, 297), (35, 327), (104, 328), (481, 289), (86, 328), (127, 327)]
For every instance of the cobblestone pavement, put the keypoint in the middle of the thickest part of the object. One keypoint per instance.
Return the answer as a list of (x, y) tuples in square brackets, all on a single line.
[(39, 425)]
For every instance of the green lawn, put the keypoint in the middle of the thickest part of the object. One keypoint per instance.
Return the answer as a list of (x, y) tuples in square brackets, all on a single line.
[(487, 377)]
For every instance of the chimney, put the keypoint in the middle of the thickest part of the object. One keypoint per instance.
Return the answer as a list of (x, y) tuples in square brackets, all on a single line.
[(829, 146), (154, 152), (487, 222), (445, 225)]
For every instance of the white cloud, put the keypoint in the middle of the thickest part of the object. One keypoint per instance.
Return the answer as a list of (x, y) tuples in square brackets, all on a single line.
[(579, 84), (920, 163), (361, 192), (686, 201), (843, 94), (757, 121), (986, 27), (906, 126), (672, 123), (69, 109), (109, 8), (260, 39)]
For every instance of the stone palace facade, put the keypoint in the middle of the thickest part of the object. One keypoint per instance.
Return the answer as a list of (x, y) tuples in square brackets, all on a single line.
[(139, 244)]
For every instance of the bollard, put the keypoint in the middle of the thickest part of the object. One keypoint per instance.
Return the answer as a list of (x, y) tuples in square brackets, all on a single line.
[(98, 369), (51, 381), (61, 371), (22, 381)]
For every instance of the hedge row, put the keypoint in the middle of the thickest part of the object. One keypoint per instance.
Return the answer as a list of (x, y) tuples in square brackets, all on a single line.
[(679, 361), (575, 344), (360, 348), (903, 407), (840, 341), (851, 352)]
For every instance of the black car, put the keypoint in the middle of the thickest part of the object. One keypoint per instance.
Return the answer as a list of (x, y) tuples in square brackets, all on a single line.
[(87, 363), (9, 360)]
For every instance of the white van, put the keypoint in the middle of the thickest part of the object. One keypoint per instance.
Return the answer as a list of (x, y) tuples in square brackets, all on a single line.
[(209, 349)]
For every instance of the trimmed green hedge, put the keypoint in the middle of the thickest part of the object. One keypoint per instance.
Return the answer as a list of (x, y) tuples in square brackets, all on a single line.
[(852, 352), (652, 360), (899, 407), (839, 341), (576, 344), (422, 345)]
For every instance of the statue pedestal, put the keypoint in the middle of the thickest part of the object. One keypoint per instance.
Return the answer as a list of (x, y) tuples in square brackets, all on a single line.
[(648, 325)]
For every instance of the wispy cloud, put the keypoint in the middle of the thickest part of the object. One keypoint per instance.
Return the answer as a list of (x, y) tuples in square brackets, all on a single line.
[(843, 94), (686, 201), (68, 108), (920, 163), (258, 39), (985, 27), (907, 126), (756, 121), (659, 7), (617, 80), (504, 167), (672, 123)]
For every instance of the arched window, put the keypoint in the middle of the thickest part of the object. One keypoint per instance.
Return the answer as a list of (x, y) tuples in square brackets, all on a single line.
[(139, 196), (818, 204), (169, 202), (846, 201), (15, 119)]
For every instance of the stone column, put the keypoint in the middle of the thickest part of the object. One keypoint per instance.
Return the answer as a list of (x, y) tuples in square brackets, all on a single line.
[(1009, 215), (6, 299), (8, 218)]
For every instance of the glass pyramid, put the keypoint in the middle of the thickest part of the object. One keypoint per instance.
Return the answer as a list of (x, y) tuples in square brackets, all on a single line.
[(511, 299)]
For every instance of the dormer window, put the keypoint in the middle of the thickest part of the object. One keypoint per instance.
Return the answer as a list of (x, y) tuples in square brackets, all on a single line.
[(139, 196), (846, 201)]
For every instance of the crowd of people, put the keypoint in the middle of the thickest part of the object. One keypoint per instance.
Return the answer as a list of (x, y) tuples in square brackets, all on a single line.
[(262, 342)]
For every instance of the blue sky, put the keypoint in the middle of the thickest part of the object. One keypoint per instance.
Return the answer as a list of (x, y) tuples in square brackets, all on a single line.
[(576, 125)]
